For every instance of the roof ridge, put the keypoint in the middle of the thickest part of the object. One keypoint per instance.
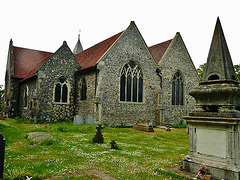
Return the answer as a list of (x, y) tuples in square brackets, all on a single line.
[(100, 42), (161, 43), (89, 57), (159, 49), (32, 49)]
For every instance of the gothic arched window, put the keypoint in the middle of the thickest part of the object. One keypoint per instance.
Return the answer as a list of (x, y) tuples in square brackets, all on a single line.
[(61, 91), (25, 96), (83, 90), (177, 89), (131, 83)]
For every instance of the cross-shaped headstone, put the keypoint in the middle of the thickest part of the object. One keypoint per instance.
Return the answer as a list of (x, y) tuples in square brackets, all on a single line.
[(113, 144), (98, 138), (99, 128), (2, 150)]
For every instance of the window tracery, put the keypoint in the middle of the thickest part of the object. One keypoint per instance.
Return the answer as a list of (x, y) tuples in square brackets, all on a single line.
[(177, 89), (61, 91), (131, 83)]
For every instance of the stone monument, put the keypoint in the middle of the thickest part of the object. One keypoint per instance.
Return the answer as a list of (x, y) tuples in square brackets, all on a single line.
[(214, 124), (98, 137)]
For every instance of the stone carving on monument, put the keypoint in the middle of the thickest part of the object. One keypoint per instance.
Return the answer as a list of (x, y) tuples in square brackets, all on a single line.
[(214, 125)]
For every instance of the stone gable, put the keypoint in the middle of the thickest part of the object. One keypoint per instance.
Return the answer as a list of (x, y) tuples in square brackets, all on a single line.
[(61, 64), (177, 59), (129, 47)]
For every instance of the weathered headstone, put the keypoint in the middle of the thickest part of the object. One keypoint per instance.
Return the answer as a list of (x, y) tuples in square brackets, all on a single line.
[(77, 120), (2, 152), (90, 119), (113, 145), (98, 138)]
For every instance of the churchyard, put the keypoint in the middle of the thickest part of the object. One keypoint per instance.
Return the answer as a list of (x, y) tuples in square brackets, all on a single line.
[(42, 151)]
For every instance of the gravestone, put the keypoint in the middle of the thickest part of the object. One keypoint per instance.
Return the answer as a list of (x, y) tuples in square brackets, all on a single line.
[(98, 138), (90, 119), (2, 152), (113, 146), (77, 120)]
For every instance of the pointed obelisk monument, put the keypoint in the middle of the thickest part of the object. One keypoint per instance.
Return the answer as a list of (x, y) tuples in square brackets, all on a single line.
[(214, 124)]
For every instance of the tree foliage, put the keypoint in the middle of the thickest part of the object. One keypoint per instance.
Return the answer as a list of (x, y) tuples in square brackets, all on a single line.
[(201, 68), (1, 96), (237, 70)]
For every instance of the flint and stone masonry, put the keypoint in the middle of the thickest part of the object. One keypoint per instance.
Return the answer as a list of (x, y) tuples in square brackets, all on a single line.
[(87, 83)]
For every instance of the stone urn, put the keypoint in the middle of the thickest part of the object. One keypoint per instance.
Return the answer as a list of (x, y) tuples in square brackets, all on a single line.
[(217, 98)]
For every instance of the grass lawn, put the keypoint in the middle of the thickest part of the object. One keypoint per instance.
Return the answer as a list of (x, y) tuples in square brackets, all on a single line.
[(69, 149)]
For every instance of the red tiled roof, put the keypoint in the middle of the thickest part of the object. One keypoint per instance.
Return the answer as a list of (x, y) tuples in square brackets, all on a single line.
[(89, 57), (26, 60), (32, 72), (159, 49)]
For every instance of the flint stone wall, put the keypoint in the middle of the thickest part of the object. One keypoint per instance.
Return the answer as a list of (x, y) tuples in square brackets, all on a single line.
[(62, 63), (178, 59), (86, 107), (129, 47)]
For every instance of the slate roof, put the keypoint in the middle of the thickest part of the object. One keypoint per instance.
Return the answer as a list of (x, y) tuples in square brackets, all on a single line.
[(158, 50), (90, 57), (25, 60)]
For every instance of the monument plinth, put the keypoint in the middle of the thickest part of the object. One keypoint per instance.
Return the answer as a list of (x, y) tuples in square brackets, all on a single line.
[(214, 124)]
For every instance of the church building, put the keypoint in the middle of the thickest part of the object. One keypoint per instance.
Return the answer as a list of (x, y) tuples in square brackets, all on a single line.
[(119, 81)]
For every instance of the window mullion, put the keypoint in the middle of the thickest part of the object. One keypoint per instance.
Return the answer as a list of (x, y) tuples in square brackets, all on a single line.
[(132, 87), (137, 86), (125, 99), (61, 92)]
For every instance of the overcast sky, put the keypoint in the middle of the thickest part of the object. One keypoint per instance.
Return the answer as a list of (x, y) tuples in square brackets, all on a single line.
[(45, 24)]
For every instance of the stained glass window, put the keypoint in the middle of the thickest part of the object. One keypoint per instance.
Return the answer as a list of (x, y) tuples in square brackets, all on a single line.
[(61, 92), (57, 92), (25, 95), (131, 85), (177, 89), (83, 89)]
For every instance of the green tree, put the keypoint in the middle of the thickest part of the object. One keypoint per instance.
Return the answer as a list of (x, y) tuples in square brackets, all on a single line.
[(237, 70), (200, 70), (1, 96)]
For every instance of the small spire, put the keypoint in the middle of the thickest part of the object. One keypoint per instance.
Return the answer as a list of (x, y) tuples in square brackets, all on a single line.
[(78, 47), (219, 62)]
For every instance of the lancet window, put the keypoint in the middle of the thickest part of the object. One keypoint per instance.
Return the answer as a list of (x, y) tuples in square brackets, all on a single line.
[(83, 89), (177, 89), (61, 91), (25, 96), (131, 83)]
